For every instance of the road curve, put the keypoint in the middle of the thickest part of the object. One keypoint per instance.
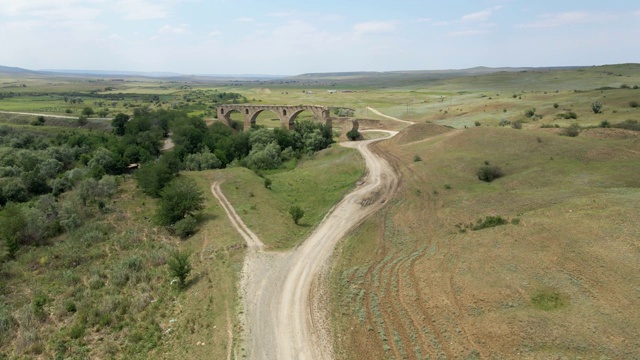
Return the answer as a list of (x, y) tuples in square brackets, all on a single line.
[(388, 117), (282, 320)]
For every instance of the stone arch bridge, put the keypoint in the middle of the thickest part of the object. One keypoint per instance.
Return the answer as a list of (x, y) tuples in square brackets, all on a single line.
[(286, 113)]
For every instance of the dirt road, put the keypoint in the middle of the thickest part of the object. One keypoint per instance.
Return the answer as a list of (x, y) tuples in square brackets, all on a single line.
[(282, 293), (49, 115), (387, 116)]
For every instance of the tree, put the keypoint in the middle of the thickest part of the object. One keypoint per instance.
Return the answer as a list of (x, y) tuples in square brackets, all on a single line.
[(87, 111), (179, 199), (152, 177), (179, 266), (119, 123), (296, 213)]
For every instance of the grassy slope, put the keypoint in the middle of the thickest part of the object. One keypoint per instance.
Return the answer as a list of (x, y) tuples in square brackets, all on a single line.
[(113, 271), (315, 185), (409, 284)]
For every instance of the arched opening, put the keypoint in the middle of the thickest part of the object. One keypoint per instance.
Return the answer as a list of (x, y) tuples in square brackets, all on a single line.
[(268, 118), (234, 117)]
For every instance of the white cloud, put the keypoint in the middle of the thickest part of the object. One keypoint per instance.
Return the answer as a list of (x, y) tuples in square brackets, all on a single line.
[(424, 20), (562, 19), (480, 16), (215, 33), (168, 29), (245, 19), (375, 27), (142, 10)]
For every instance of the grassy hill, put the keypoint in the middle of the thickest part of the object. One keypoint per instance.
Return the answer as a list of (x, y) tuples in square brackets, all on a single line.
[(556, 280)]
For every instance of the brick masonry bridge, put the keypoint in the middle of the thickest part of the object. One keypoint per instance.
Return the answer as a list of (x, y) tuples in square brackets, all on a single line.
[(286, 113)]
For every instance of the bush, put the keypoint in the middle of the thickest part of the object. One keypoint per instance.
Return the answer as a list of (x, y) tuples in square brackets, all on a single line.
[(179, 266), (185, 227), (489, 173), (489, 222), (416, 158), (83, 120), (504, 122), (477, 123), (267, 183), (516, 125), (354, 135), (179, 199), (633, 104), (604, 124), (596, 107), (556, 105), (572, 131), (296, 213), (530, 113), (568, 115)]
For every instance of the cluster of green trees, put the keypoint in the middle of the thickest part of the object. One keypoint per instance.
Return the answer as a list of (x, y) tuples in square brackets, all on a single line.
[(33, 167)]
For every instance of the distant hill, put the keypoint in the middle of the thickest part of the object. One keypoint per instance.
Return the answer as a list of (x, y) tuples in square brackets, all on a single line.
[(404, 78), (15, 70)]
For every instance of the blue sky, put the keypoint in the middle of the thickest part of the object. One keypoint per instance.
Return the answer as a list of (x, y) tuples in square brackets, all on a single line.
[(292, 37)]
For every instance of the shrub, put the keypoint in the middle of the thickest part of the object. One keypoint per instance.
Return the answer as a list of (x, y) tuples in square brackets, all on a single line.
[(556, 105), (568, 115), (547, 126), (516, 125), (354, 135), (489, 222), (296, 213), (416, 158), (267, 183), (604, 124), (83, 120), (504, 122), (596, 107), (185, 227), (572, 131), (530, 113), (489, 173), (180, 198), (477, 123), (633, 104), (179, 266)]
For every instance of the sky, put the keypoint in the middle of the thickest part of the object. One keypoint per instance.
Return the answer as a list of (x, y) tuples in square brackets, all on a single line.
[(286, 37)]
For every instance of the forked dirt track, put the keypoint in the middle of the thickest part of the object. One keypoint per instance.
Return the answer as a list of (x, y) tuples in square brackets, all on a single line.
[(282, 292)]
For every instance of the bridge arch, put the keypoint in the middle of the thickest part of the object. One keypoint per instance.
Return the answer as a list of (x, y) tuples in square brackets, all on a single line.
[(286, 113)]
